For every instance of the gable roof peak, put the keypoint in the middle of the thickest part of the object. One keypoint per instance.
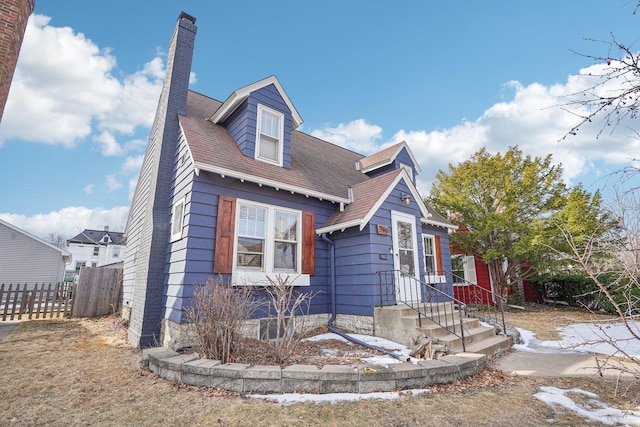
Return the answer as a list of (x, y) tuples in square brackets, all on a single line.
[(239, 95), (385, 157)]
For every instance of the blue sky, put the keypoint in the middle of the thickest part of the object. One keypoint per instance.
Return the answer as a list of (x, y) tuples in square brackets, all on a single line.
[(447, 77)]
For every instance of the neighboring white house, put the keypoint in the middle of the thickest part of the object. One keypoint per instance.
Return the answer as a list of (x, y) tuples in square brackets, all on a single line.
[(95, 248), (27, 259)]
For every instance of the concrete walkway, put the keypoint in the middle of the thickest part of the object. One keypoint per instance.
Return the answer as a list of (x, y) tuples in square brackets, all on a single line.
[(558, 365), (7, 327)]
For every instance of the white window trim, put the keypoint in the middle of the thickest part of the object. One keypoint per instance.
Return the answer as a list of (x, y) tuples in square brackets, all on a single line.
[(466, 271), (433, 278), (177, 235), (248, 276), (280, 149)]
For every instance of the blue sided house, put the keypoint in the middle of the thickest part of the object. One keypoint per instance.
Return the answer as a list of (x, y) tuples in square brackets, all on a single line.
[(231, 189)]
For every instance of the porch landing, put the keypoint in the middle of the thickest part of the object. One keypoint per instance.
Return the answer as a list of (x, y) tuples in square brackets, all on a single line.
[(400, 323)]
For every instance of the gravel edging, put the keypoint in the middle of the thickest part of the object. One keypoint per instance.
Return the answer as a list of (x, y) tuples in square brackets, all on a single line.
[(267, 379)]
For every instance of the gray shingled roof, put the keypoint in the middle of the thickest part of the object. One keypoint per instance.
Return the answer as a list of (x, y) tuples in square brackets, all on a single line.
[(94, 237), (318, 168), (316, 165)]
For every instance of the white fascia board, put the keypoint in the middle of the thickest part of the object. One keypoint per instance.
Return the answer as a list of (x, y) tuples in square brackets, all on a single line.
[(231, 103), (415, 194), (269, 183), (440, 224), (341, 226), (365, 220), (186, 143), (392, 158)]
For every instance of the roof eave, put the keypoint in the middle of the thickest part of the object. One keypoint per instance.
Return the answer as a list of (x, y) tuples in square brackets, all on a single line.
[(198, 166), (341, 226)]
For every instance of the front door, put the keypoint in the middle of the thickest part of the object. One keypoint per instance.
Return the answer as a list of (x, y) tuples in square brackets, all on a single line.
[(405, 257)]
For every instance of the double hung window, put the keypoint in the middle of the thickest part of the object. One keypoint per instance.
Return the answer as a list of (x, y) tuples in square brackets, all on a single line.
[(463, 269), (269, 141), (430, 255), (267, 238)]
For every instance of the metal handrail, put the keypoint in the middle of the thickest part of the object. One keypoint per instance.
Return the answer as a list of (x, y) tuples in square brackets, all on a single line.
[(482, 303), (438, 306)]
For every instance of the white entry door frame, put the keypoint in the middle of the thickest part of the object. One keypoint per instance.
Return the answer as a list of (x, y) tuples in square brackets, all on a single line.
[(405, 256)]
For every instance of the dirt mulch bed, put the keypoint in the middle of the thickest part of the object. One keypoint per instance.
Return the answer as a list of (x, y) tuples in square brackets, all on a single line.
[(318, 353), (84, 373)]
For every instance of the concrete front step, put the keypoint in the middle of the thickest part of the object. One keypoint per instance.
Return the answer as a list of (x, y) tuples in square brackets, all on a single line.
[(400, 323), (434, 330), (474, 335), (490, 346)]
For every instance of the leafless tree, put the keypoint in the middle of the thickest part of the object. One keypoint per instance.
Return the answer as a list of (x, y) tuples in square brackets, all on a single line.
[(57, 240), (613, 96), (612, 261)]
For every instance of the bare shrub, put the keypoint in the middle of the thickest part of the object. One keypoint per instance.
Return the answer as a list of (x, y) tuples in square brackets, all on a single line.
[(291, 308), (612, 261), (217, 314)]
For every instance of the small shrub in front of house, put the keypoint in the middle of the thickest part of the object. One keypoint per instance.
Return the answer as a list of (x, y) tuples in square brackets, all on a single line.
[(217, 314), (290, 308)]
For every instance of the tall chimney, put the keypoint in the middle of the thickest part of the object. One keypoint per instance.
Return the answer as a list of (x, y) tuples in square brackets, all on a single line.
[(147, 229)]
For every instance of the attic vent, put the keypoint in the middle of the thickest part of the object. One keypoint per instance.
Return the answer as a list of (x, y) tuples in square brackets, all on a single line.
[(357, 165)]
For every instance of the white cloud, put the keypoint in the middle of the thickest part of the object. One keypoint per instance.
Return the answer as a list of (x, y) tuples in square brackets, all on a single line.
[(109, 145), (64, 85), (357, 135), (532, 119), (112, 183), (132, 165), (70, 221), (88, 189)]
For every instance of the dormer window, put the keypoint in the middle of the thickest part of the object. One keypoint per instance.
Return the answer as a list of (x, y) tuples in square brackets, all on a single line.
[(269, 144)]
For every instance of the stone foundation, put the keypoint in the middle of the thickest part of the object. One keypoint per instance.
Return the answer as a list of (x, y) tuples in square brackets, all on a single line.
[(175, 336), (356, 324)]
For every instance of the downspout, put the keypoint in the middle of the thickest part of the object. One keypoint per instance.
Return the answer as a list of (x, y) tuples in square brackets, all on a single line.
[(332, 319), (332, 279)]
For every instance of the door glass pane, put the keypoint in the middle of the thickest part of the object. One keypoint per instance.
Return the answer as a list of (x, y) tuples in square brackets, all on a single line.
[(405, 248)]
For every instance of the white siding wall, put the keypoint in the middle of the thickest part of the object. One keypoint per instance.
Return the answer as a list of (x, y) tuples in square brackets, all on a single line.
[(26, 260)]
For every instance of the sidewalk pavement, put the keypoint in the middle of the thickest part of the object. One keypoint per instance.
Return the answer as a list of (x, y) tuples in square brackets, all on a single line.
[(7, 327), (559, 365)]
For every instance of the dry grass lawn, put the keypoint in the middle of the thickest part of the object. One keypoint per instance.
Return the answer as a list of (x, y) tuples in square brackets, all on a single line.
[(82, 373)]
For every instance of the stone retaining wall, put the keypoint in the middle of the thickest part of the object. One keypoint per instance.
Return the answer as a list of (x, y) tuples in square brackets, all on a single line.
[(242, 378)]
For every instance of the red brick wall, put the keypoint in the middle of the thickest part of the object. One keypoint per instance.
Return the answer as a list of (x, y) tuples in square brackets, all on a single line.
[(13, 21)]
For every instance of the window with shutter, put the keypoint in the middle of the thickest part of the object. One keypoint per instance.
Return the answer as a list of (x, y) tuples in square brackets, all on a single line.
[(254, 240)]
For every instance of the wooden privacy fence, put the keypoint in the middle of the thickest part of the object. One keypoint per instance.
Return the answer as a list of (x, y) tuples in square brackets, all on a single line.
[(36, 301), (98, 292)]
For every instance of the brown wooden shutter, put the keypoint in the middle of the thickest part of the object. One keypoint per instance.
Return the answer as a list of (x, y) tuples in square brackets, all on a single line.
[(225, 235), (438, 249), (308, 243)]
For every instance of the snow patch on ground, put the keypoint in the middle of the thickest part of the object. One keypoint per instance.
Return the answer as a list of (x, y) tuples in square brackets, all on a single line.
[(291, 398), (585, 338), (393, 347), (593, 410), (577, 338)]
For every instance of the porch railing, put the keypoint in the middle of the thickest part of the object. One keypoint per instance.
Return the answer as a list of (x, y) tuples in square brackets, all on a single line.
[(482, 303), (425, 299)]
